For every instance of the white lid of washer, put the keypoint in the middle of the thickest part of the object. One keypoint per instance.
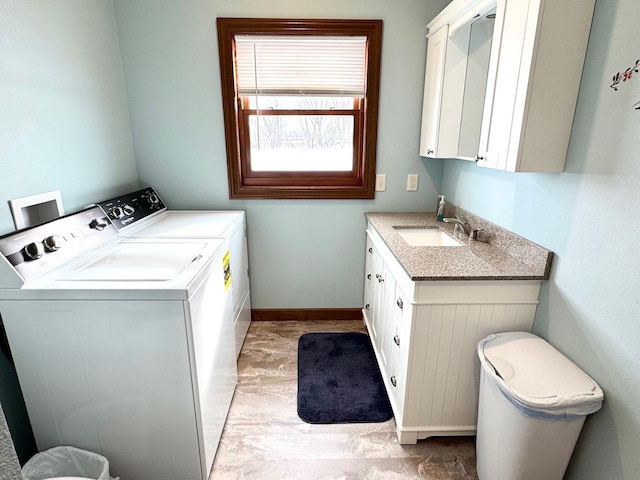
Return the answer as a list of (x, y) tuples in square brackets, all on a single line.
[(533, 373)]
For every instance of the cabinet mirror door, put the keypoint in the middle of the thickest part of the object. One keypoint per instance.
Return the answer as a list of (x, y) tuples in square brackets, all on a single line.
[(475, 85)]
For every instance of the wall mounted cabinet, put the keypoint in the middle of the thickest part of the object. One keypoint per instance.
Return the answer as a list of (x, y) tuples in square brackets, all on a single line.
[(532, 55), (432, 99)]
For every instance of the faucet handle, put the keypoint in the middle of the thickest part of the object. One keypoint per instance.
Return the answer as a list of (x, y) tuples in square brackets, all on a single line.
[(473, 235)]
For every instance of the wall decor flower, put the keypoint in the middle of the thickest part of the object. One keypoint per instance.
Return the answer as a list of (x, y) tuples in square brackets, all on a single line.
[(624, 76)]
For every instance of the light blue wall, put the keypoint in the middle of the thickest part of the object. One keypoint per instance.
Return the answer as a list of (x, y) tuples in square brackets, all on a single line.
[(64, 124), (589, 217), (64, 115), (303, 253)]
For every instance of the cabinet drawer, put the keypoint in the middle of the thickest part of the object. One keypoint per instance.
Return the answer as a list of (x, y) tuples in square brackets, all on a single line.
[(402, 315)]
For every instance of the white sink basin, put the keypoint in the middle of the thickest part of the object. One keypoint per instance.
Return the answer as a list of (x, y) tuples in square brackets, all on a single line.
[(427, 237)]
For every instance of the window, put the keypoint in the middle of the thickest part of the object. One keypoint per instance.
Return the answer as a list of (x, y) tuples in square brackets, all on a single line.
[(300, 101)]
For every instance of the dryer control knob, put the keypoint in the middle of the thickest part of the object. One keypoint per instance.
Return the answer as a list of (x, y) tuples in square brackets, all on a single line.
[(52, 243), (34, 250), (98, 224), (128, 209), (117, 212)]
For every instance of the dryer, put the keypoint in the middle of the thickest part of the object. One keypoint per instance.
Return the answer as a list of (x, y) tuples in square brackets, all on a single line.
[(143, 214), (123, 346)]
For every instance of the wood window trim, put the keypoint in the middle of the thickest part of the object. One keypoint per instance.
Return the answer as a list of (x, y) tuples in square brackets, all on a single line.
[(357, 184)]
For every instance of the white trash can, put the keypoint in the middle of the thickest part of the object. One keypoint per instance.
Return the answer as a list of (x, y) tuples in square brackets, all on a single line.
[(66, 463), (532, 404)]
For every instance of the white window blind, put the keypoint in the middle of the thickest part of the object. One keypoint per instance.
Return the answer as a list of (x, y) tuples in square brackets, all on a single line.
[(301, 65)]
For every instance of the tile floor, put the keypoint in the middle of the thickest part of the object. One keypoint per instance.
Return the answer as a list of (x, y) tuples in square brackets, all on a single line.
[(264, 438)]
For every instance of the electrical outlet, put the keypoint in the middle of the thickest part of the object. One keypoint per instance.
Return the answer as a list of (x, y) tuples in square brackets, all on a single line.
[(412, 182), (381, 182)]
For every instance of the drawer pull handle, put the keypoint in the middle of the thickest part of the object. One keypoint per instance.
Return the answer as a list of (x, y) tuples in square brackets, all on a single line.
[(396, 340), (400, 303), (393, 380)]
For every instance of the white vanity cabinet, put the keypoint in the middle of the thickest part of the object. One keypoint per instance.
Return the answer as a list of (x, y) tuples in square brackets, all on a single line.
[(530, 81), (424, 335)]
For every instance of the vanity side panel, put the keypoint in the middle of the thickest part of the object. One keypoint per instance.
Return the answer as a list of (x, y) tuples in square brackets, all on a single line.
[(442, 388)]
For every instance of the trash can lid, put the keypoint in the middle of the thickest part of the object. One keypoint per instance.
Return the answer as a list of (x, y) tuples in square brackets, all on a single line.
[(68, 478), (535, 374)]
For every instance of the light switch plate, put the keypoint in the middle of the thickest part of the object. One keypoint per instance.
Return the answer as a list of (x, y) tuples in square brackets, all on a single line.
[(412, 182), (381, 182)]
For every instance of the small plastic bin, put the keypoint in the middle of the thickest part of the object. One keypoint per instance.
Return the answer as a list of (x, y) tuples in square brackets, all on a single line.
[(532, 404), (66, 462)]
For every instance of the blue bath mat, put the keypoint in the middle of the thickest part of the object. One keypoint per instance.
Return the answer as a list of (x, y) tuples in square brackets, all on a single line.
[(339, 380)]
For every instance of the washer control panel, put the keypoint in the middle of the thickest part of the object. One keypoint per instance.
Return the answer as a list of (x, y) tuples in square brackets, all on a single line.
[(132, 207), (34, 250)]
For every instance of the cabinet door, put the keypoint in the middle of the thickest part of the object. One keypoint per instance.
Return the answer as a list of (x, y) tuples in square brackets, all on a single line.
[(529, 104), (402, 316), (502, 84), (432, 99), (374, 293), (399, 344), (386, 323)]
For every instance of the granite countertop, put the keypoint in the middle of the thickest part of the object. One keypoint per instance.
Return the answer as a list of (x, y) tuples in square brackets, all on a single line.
[(501, 255)]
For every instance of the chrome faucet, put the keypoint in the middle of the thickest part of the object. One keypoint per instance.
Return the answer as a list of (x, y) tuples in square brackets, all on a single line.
[(459, 224)]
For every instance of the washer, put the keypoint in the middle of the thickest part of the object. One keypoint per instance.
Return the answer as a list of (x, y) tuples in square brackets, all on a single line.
[(144, 214), (123, 346)]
